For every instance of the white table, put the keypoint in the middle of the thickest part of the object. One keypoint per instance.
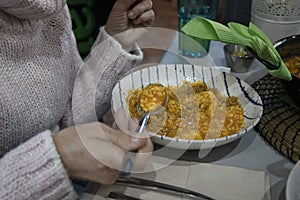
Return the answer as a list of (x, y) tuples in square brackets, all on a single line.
[(251, 151)]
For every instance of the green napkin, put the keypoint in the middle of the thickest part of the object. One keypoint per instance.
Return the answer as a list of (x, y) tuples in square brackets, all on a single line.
[(236, 33)]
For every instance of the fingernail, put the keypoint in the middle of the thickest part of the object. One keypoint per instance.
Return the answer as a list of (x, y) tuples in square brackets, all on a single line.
[(131, 15), (134, 139)]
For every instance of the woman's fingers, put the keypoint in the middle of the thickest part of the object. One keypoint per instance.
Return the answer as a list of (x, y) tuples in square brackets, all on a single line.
[(128, 21), (121, 120), (139, 9), (84, 159), (128, 142), (96, 151), (133, 125), (145, 19), (142, 14), (119, 116), (139, 146), (131, 140), (143, 155), (123, 123)]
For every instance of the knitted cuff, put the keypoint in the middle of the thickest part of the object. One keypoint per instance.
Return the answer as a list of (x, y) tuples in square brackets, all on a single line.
[(135, 54), (34, 170), (106, 64)]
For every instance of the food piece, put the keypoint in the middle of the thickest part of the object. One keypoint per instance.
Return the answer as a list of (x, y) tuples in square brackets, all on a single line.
[(239, 53), (152, 97)]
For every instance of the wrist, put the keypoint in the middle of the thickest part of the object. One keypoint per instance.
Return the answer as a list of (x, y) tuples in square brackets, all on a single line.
[(60, 142), (121, 39)]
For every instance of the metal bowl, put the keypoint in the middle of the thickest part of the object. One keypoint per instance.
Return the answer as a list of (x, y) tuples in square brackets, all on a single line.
[(237, 58), (290, 47)]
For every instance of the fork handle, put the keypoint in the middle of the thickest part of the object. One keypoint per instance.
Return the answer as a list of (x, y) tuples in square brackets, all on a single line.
[(125, 173), (129, 157), (143, 123)]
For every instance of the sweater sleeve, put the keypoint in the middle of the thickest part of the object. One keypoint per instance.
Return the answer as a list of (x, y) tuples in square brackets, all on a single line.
[(106, 64), (34, 170), (116, 66), (31, 9)]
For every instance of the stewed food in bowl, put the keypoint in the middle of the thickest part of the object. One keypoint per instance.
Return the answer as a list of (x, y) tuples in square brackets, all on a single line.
[(204, 106), (189, 112)]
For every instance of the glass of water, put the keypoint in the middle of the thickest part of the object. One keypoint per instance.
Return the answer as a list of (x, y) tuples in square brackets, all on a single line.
[(187, 9)]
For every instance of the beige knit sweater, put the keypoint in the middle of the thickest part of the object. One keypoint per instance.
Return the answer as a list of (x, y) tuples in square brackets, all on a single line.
[(38, 66)]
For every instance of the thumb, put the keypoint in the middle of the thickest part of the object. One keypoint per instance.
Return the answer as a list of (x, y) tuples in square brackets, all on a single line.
[(122, 120), (133, 125)]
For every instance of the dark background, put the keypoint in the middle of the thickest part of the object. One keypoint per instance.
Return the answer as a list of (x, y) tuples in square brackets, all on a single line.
[(85, 25), (166, 17)]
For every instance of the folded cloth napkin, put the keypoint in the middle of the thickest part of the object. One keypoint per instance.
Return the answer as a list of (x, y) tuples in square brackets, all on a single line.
[(236, 33), (216, 181)]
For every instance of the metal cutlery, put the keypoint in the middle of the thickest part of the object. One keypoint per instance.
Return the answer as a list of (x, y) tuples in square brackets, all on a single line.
[(129, 157), (160, 187), (120, 196)]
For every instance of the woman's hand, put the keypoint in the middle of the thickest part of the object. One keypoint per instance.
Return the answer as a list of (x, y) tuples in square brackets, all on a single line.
[(95, 151), (129, 19)]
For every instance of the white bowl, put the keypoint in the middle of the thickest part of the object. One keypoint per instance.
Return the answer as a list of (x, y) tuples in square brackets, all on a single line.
[(172, 74)]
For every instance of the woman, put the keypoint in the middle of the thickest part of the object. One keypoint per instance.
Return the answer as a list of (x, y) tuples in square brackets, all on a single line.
[(40, 146)]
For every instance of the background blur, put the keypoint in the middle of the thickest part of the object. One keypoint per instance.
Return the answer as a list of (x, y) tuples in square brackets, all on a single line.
[(89, 15)]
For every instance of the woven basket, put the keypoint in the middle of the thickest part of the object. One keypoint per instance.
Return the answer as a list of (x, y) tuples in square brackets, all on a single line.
[(280, 122)]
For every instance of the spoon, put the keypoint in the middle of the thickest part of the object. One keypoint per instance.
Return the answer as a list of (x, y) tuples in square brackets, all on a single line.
[(146, 107), (155, 106)]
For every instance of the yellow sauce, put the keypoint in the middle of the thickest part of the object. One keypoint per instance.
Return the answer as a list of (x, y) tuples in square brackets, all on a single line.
[(193, 112)]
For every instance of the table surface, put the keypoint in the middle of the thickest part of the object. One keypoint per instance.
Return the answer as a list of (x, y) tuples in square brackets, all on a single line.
[(251, 151)]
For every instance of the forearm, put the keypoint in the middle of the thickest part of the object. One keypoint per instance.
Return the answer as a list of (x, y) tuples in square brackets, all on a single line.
[(115, 69), (34, 171), (105, 66)]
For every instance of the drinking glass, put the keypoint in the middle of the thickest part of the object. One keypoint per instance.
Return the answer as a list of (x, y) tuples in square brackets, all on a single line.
[(187, 9)]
